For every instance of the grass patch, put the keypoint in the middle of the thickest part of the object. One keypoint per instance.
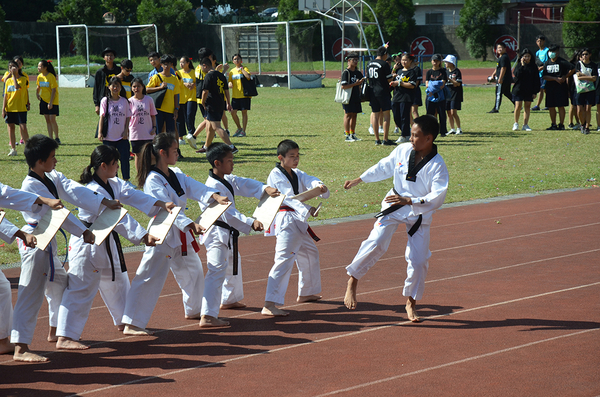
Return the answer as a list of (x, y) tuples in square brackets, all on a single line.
[(489, 160)]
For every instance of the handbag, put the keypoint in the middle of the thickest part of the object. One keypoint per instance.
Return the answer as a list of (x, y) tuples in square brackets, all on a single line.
[(249, 86), (583, 86), (365, 91), (342, 95), (104, 127), (158, 96)]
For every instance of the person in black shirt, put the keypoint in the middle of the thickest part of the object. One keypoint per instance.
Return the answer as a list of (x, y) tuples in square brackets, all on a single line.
[(455, 97), (504, 76), (404, 88), (436, 102), (587, 71), (103, 76), (556, 71), (352, 78), (213, 88), (379, 74), (527, 85)]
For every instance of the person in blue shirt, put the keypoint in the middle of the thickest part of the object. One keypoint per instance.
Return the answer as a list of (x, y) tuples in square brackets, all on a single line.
[(541, 56)]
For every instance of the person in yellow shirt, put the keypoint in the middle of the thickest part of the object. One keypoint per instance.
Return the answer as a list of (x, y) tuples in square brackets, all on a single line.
[(187, 99), (126, 78), (168, 110), (47, 94), (19, 60), (15, 104), (239, 101)]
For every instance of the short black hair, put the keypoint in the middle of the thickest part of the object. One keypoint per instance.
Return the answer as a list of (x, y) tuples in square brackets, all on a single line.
[(38, 147), (204, 53), (154, 55), (206, 62), (429, 125), (236, 55), (127, 64), (540, 37), (381, 51), (554, 48), (165, 59), (501, 44), (285, 146), (217, 151)]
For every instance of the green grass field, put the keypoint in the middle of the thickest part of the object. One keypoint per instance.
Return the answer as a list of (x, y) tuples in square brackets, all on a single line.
[(488, 160)]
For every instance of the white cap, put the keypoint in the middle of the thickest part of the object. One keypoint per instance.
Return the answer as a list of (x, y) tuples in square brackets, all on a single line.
[(451, 59)]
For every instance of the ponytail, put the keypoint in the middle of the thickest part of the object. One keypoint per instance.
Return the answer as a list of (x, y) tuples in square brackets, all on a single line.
[(151, 152), (48, 65), (101, 154)]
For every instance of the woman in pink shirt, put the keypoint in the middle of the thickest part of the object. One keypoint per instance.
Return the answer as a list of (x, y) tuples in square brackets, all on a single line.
[(142, 125)]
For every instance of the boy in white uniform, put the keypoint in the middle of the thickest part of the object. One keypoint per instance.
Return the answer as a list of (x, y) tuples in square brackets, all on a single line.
[(420, 185), (38, 267), (102, 268), (223, 281), (17, 200), (294, 236)]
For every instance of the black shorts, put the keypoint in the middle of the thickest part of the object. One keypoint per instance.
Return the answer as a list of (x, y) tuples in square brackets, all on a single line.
[(240, 103), (418, 99), (214, 116), (557, 98), (202, 110), (456, 105), (16, 118), (137, 146), (352, 107), (380, 103), (586, 98), (518, 98), (44, 108)]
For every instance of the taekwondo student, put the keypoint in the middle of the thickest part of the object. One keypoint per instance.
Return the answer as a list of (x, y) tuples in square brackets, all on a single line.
[(420, 185), (41, 271), (223, 282), (179, 250), (94, 267), (17, 200)]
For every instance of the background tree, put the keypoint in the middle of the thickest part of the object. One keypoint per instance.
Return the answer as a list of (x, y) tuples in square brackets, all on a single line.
[(579, 35), (72, 12), (26, 10), (125, 11), (475, 30), (174, 20), (396, 19), (5, 35), (301, 36)]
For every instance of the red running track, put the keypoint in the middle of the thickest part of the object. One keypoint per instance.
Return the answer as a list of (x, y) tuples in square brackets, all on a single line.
[(511, 308)]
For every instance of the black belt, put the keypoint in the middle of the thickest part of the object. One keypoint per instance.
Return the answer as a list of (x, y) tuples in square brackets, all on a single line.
[(115, 236), (235, 234), (393, 208)]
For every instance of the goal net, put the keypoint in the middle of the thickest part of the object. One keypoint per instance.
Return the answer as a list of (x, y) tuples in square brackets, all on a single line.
[(294, 49)]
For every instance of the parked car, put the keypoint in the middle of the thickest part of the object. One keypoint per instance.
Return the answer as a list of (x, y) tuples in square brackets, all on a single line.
[(268, 12)]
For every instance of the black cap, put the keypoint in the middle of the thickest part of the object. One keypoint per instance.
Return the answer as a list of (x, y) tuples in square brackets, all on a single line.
[(436, 57), (107, 50)]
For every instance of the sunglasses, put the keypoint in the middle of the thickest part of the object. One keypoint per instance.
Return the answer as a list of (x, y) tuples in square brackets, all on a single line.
[(585, 54)]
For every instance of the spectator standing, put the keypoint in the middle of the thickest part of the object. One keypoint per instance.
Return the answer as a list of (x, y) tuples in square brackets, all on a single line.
[(541, 56), (404, 84), (126, 77), (586, 71), (352, 78), (379, 74), (455, 98), (556, 72), (47, 94), (238, 100), (186, 120), (169, 108), (436, 79), (103, 76), (504, 76), (417, 98), (15, 104), (527, 85), (142, 125), (573, 115)]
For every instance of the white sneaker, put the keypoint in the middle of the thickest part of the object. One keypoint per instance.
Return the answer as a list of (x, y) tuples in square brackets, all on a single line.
[(396, 130), (181, 141), (380, 129), (451, 131), (403, 139), (355, 137), (515, 126), (12, 152), (526, 128), (371, 131), (191, 141), (458, 131)]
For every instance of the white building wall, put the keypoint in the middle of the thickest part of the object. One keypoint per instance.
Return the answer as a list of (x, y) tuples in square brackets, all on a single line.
[(451, 14)]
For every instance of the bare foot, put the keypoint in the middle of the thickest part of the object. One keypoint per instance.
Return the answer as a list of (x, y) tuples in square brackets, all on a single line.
[(273, 311), (22, 353), (308, 298), (350, 298), (136, 331), (193, 317), (64, 343), (120, 327), (235, 305), (211, 322), (52, 335), (411, 310), (6, 346)]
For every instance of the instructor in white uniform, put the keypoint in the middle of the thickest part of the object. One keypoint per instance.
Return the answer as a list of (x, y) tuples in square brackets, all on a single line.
[(420, 185)]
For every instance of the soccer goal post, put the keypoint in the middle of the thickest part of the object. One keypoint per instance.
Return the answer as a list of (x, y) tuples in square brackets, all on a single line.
[(128, 33), (279, 48)]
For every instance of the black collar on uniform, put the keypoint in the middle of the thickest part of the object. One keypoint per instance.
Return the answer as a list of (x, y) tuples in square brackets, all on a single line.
[(46, 181), (292, 178), (223, 181), (413, 168), (171, 179), (106, 185)]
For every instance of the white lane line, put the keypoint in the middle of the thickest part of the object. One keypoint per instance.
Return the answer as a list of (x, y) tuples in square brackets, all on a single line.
[(465, 360), (355, 333)]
